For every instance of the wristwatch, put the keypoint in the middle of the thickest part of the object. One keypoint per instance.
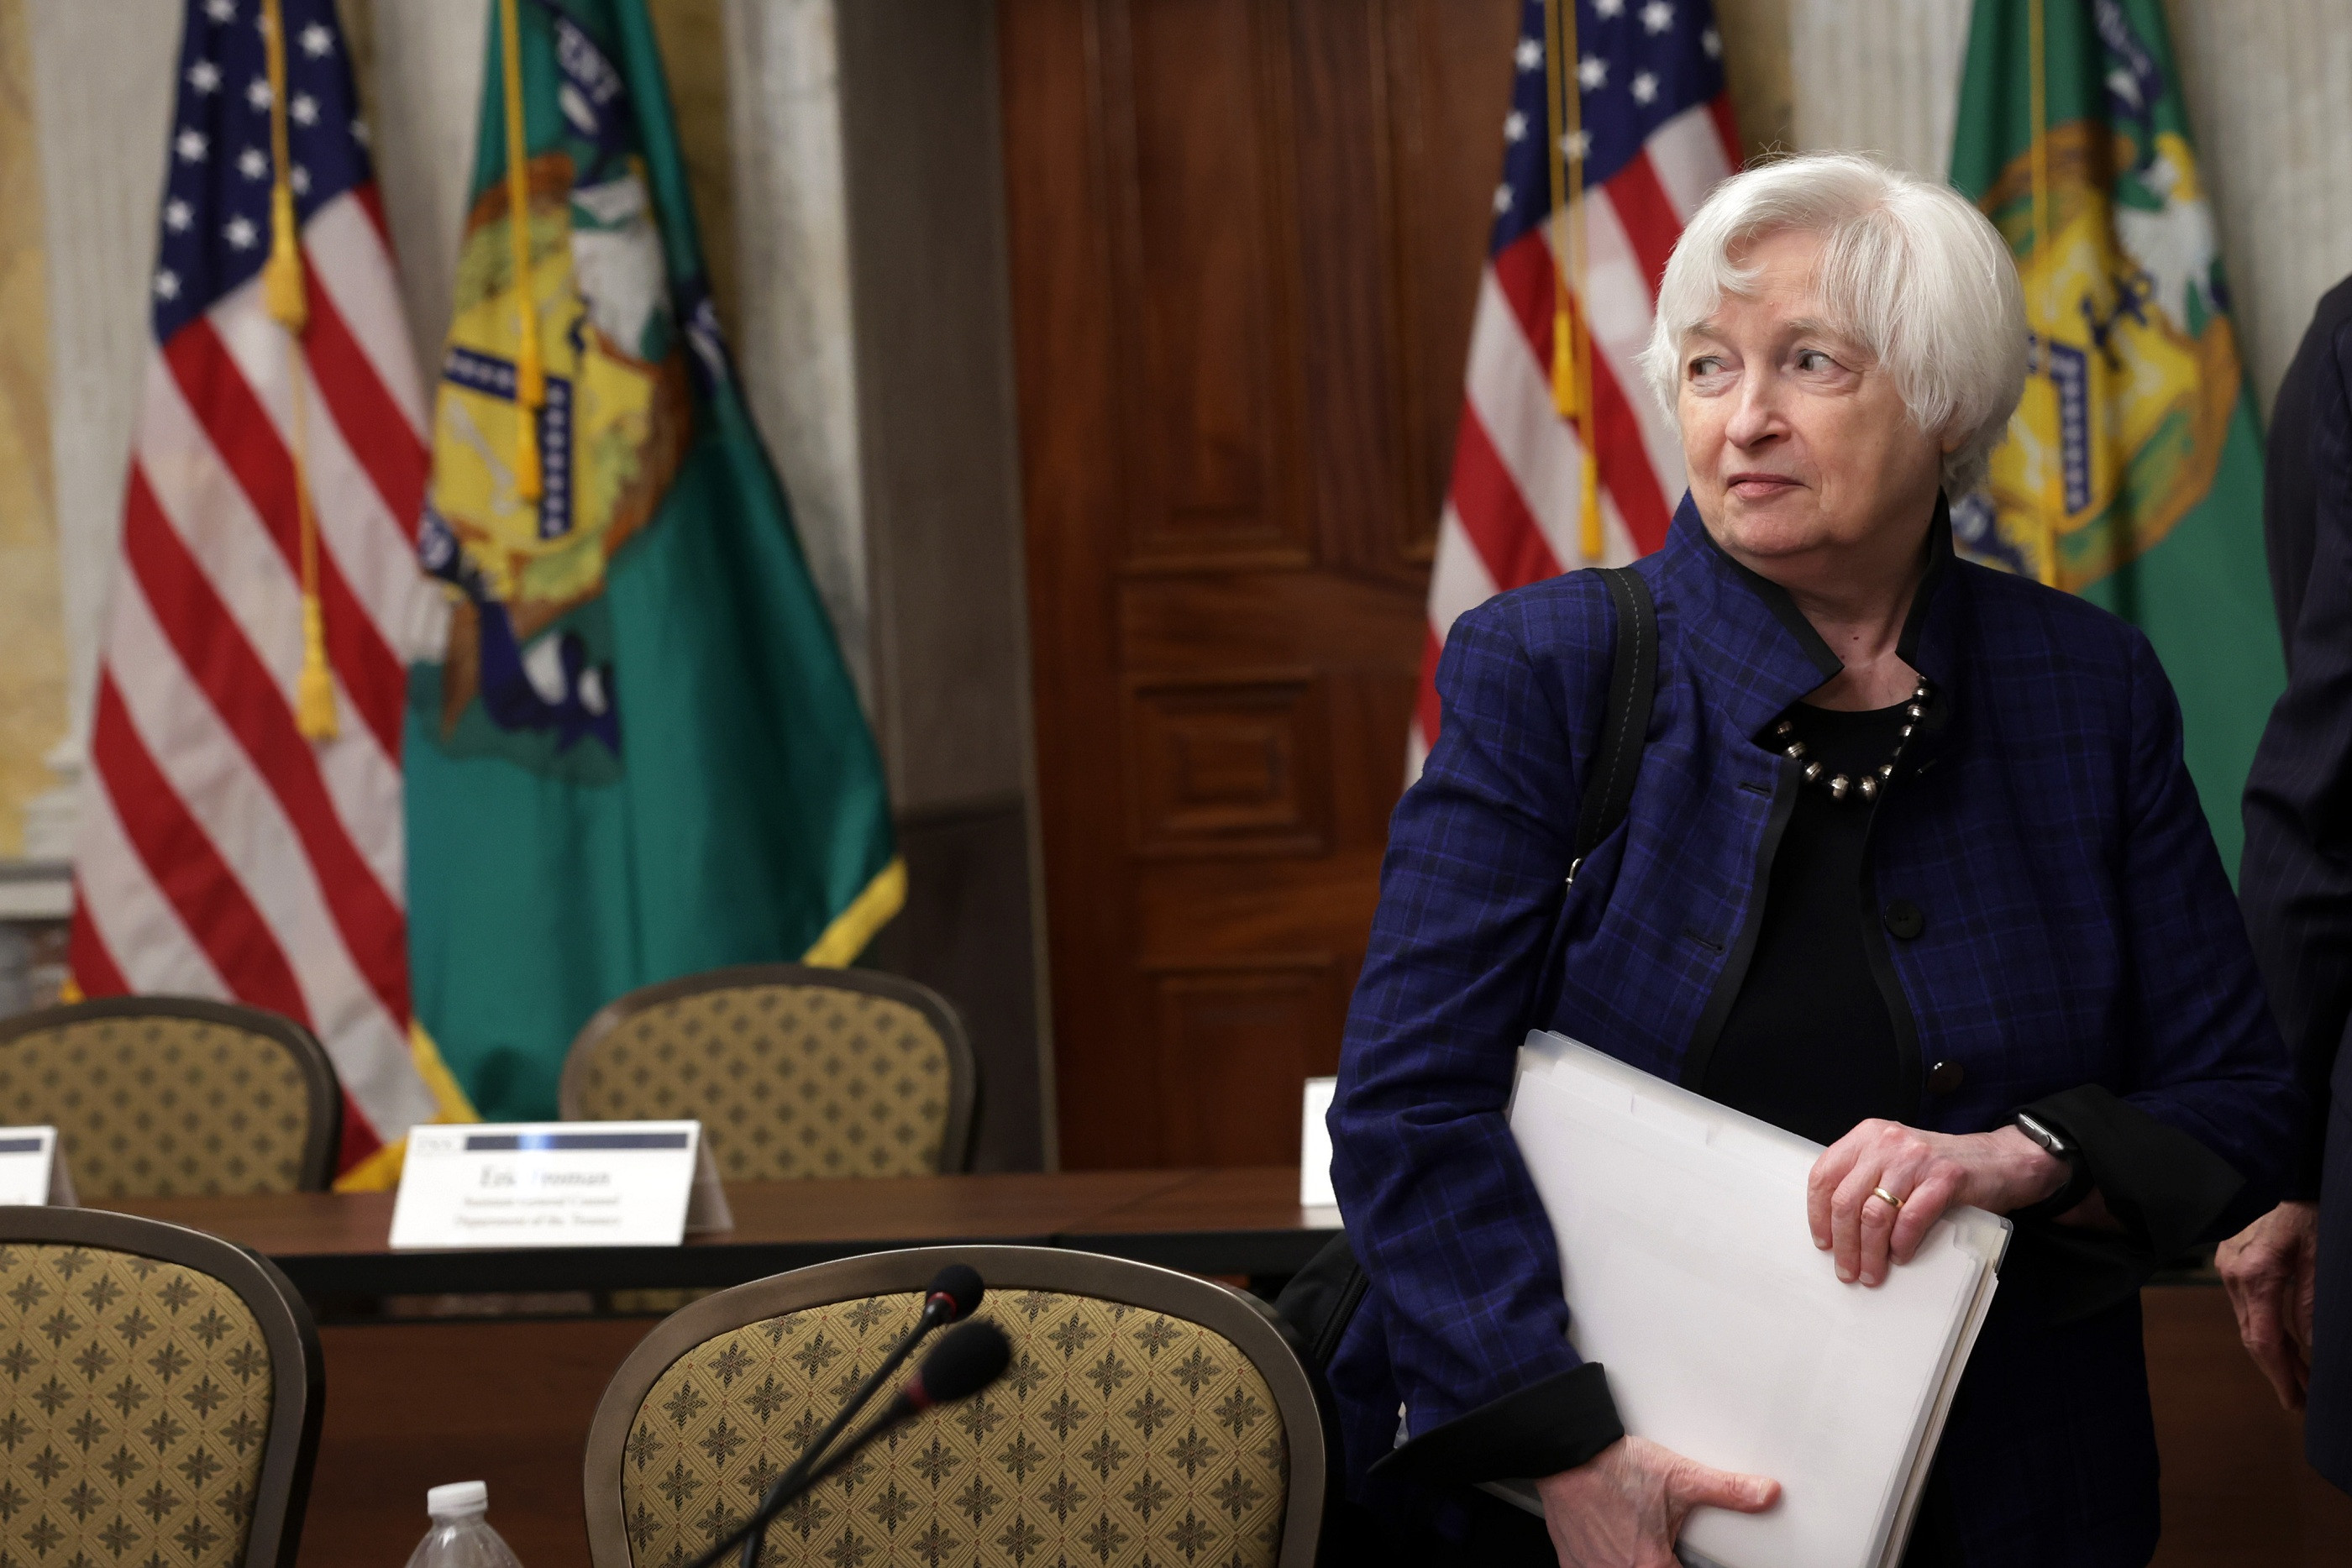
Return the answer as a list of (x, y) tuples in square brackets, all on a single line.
[(2079, 1180)]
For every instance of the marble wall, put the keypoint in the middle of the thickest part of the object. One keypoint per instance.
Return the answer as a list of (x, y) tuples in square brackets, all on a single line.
[(32, 624), (2268, 83)]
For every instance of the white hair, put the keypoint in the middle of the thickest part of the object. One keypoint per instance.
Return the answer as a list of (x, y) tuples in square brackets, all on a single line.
[(1909, 269)]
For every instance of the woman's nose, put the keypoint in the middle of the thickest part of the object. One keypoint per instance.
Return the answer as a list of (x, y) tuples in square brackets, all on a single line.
[(1756, 415)]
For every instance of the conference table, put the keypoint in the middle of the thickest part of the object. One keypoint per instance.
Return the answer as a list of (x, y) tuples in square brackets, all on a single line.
[(502, 1387), (335, 1246), (416, 1399)]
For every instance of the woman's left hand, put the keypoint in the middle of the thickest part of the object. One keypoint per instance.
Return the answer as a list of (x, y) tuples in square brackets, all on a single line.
[(1930, 1172)]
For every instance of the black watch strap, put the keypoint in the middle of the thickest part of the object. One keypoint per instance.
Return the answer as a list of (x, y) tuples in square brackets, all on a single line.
[(2079, 1180)]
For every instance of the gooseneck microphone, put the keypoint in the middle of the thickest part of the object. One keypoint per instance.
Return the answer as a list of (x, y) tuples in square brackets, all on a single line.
[(954, 1292), (968, 1359)]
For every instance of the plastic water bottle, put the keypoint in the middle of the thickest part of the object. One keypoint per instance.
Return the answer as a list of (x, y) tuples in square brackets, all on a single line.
[(460, 1536)]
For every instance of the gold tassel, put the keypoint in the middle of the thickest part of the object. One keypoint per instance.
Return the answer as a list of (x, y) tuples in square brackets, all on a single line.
[(314, 689), (530, 381), (281, 275)]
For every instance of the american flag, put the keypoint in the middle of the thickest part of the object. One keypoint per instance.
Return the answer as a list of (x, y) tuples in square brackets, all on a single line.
[(224, 852), (1657, 135)]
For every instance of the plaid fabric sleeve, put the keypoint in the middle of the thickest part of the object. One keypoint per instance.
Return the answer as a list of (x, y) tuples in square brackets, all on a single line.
[(1438, 1203), (2210, 1061)]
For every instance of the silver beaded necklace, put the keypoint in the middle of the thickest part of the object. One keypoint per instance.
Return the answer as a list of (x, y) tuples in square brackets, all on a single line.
[(1867, 786)]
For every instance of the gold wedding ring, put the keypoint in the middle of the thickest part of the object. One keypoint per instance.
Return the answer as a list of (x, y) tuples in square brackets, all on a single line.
[(1892, 1201)]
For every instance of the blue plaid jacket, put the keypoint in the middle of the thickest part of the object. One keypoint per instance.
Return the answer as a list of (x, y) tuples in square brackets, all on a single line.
[(2078, 929)]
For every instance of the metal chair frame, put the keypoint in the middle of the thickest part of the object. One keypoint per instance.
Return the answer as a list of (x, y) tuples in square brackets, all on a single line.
[(1244, 1323), (963, 1074), (297, 1394), (324, 1090)]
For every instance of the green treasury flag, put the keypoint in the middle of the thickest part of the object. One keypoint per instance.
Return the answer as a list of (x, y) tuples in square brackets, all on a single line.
[(2133, 472), (638, 754)]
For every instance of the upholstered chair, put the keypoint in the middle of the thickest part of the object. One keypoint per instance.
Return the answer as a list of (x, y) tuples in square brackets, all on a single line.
[(1147, 1415), (163, 1395), (171, 1096), (793, 1072)]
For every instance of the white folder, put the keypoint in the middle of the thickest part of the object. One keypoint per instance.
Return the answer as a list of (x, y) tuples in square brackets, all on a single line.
[(1692, 1275)]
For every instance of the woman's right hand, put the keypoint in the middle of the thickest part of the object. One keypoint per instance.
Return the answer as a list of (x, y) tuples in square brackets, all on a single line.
[(1623, 1507)]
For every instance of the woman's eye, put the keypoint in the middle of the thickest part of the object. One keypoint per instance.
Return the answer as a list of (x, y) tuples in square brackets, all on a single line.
[(1704, 366), (1812, 360)]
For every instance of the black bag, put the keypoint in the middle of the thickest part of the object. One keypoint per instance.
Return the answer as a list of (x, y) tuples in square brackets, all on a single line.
[(1321, 1299)]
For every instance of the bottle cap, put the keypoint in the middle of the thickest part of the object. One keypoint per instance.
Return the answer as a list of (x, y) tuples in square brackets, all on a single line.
[(458, 1500)]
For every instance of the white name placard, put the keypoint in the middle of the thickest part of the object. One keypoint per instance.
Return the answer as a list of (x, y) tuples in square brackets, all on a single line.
[(1314, 1150), (556, 1184), (32, 1168)]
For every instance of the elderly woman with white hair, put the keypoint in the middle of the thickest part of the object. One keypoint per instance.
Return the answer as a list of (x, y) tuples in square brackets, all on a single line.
[(1912, 866)]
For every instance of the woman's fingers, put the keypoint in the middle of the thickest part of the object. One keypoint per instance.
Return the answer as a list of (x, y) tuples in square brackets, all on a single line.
[(1821, 1187), (1693, 1485), (1877, 1229), (1846, 1218), (1922, 1207)]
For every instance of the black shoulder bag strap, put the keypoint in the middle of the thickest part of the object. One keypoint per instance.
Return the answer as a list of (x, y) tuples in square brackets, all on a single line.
[(1318, 1303), (1633, 685)]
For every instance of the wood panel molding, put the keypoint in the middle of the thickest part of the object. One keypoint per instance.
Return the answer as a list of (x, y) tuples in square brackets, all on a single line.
[(1230, 765), (1196, 133), (1236, 1047)]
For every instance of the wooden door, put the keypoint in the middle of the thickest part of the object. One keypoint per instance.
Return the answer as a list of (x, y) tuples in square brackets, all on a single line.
[(1246, 239)]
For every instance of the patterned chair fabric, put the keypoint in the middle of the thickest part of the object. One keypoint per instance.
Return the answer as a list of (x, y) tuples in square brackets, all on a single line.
[(793, 1072), (153, 1417), (166, 1097), (1124, 1434)]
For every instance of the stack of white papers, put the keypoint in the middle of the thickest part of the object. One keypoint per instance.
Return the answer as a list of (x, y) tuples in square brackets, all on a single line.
[(1692, 1274)]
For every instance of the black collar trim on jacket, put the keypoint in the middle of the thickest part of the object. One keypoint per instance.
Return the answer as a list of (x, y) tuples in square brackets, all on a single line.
[(1784, 610)]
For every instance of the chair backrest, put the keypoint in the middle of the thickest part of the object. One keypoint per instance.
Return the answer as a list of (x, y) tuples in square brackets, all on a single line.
[(172, 1096), (793, 1071), (163, 1395), (1147, 1415)]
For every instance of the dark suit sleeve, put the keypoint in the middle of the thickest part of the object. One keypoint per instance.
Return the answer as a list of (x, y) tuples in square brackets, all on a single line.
[(1439, 1205), (2288, 501), (2296, 883)]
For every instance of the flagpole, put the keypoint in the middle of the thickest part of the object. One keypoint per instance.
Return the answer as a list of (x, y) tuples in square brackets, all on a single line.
[(2053, 499), (1571, 351), (530, 385), (283, 297)]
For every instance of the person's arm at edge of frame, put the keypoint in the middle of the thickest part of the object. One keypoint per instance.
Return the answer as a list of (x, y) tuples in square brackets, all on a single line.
[(2295, 888)]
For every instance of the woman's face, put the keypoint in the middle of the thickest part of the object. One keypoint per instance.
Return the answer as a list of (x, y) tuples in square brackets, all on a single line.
[(1800, 452)]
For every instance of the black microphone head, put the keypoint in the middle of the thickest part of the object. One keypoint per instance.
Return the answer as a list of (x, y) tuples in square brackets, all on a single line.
[(960, 1284), (968, 1358)]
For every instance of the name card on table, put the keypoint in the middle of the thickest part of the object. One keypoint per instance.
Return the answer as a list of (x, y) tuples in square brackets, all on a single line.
[(1314, 1192), (33, 1168), (557, 1184)]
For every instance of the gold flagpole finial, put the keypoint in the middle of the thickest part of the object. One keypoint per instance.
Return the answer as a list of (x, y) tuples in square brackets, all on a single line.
[(530, 383)]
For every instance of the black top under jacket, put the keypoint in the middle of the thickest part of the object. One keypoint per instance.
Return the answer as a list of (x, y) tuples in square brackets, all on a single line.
[(1810, 1045)]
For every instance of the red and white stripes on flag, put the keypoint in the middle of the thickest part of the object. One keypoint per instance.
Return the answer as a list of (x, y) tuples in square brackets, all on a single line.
[(1512, 510), (223, 853)]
